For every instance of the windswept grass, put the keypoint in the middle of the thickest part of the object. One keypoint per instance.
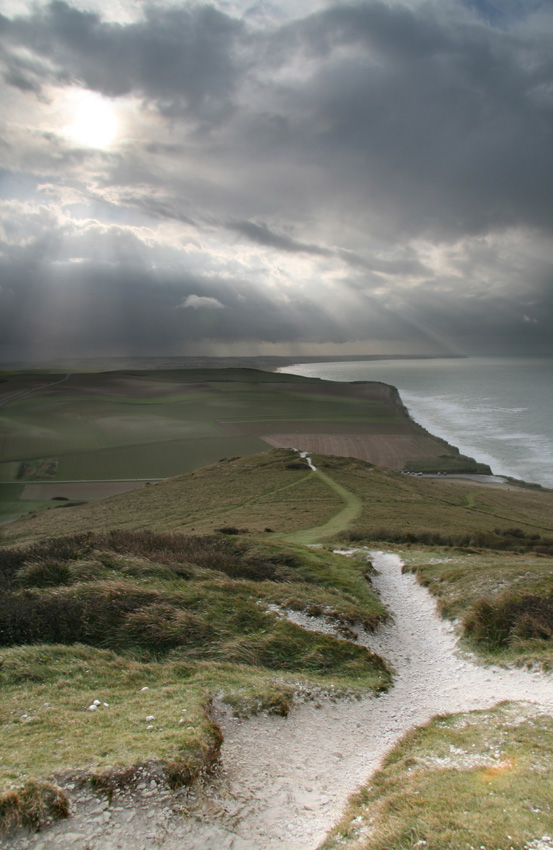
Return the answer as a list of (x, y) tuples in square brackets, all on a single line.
[(477, 780), (113, 642), (510, 621), (502, 601), (403, 508)]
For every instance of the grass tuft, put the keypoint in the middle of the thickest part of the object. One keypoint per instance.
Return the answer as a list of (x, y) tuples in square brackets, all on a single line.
[(502, 601), (464, 780), (33, 805), (502, 622)]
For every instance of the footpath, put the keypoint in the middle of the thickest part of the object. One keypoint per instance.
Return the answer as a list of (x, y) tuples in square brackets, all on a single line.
[(283, 782)]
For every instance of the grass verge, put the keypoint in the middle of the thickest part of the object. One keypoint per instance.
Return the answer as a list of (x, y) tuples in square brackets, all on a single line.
[(503, 601), (475, 781)]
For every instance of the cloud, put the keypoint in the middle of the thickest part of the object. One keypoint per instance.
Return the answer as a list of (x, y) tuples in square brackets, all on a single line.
[(205, 302), (179, 57), (364, 171), (261, 234)]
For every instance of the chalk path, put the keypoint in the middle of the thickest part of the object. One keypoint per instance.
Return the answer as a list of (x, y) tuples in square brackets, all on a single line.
[(284, 781)]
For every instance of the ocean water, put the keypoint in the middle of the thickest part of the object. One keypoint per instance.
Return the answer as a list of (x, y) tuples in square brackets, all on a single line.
[(497, 410)]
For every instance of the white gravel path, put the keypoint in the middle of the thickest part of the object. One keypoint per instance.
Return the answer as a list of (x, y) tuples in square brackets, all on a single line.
[(285, 781)]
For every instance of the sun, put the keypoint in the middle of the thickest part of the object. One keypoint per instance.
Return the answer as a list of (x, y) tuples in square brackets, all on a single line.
[(94, 123)]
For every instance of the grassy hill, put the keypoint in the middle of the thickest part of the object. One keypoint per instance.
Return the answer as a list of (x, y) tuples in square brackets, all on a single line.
[(119, 619), (83, 436), (277, 490), (113, 643)]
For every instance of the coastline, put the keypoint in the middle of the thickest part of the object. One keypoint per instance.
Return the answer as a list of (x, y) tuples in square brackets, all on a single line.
[(498, 427)]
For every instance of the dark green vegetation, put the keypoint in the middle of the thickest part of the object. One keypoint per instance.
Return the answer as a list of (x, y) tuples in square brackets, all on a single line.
[(463, 781), (150, 625), (98, 427), (503, 601), (452, 464)]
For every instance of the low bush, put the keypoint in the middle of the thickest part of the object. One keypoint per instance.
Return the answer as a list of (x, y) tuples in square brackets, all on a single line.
[(162, 626), (43, 573), (501, 622), (509, 539), (67, 560), (92, 616)]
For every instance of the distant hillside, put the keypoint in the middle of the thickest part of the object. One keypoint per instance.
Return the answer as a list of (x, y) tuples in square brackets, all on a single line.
[(83, 436)]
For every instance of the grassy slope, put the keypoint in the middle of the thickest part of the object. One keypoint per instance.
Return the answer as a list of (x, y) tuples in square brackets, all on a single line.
[(274, 489), (263, 491), (337, 523), (465, 781), (150, 625), (158, 424), (255, 492), (395, 505), (502, 601)]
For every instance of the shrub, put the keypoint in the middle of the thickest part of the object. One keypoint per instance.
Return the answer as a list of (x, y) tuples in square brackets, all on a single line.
[(42, 574), (500, 539), (92, 616), (503, 621)]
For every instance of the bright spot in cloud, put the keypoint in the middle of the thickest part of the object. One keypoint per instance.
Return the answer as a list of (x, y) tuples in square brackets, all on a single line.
[(94, 122), (197, 301)]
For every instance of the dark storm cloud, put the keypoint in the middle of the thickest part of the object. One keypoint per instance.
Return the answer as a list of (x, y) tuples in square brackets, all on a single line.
[(180, 57), (444, 124), (425, 119), (261, 234), (390, 162), (408, 264)]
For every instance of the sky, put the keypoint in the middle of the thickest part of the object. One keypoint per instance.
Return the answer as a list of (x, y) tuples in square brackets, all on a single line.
[(290, 177)]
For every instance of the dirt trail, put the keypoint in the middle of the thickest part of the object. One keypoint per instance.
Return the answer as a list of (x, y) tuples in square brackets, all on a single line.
[(284, 781)]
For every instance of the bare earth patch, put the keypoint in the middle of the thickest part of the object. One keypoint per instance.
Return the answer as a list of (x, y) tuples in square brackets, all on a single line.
[(390, 450)]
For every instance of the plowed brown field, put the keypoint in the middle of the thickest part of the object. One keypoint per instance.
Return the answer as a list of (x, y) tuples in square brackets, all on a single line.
[(391, 450)]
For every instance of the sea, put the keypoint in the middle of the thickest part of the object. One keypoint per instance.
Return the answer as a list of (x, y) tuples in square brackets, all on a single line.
[(498, 410)]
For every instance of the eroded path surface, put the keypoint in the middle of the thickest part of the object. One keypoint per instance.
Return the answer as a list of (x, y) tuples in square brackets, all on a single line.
[(284, 781)]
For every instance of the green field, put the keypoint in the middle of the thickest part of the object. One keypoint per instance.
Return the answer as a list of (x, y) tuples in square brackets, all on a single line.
[(151, 425)]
